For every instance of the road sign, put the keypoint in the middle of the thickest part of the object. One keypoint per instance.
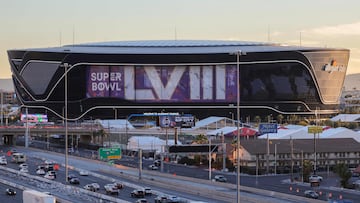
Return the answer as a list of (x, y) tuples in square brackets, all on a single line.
[(267, 128), (109, 153), (315, 129)]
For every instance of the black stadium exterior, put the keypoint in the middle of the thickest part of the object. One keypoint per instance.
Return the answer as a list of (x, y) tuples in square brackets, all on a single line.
[(196, 77)]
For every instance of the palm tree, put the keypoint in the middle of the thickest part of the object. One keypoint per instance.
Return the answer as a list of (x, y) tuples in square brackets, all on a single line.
[(280, 118), (257, 119), (344, 174)]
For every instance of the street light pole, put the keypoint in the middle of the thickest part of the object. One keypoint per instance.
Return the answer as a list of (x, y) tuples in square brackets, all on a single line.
[(238, 54), (2, 108), (275, 157), (66, 66)]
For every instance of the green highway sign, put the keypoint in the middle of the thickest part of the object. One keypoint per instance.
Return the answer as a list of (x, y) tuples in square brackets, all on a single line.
[(109, 153), (315, 129)]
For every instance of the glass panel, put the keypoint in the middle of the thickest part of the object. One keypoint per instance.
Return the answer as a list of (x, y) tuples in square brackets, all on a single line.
[(38, 75)]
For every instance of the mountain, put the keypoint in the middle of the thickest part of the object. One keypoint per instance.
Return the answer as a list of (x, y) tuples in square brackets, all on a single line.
[(352, 82), (7, 85)]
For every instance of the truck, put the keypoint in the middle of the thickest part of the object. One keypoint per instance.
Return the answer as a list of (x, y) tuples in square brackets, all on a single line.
[(34, 196)]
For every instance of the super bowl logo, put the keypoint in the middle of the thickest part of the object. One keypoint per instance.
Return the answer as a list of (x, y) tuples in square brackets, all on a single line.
[(333, 67)]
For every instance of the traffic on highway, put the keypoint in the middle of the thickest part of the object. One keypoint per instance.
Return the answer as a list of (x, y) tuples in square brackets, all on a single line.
[(122, 180)]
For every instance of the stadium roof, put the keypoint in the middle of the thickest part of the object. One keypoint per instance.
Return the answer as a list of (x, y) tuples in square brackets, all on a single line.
[(173, 47)]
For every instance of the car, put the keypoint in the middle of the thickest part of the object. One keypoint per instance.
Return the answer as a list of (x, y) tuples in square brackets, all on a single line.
[(23, 165), (118, 185), (52, 173), (161, 198), (220, 178), (49, 176), (3, 161), (153, 167), (315, 178), (311, 194), (148, 191), (174, 199), (71, 176), (40, 172), (24, 170), (90, 187), (96, 186), (142, 200), (111, 189), (74, 181), (10, 191), (157, 162), (83, 173), (138, 193)]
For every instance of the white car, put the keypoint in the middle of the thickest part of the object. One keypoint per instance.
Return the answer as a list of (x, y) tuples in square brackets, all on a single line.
[(89, 187), (49, 176), (23, 165), (40, 172), (153, 167), (315, 178), (83, 173), (24, 170), (96, 186), (3, 161)]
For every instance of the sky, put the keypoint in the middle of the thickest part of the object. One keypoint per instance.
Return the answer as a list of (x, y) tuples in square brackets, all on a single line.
[(50, 23)]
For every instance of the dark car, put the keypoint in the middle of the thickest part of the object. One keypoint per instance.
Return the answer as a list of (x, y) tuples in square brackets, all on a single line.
[(220, 178), (138, 193), (311, 194), (74, 181), (119, 185), (10, 191), (71, 176), (157, 162)]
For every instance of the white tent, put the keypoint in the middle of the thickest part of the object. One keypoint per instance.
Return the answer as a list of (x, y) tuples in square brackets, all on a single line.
[(302, 133), (117, 124), (150, 143)]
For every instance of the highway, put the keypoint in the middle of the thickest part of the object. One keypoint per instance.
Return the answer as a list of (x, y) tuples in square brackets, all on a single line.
[(186, 188)]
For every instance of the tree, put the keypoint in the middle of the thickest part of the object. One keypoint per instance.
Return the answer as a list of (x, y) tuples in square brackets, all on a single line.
[(344, 173), (307, 169), (257, 119), (280, 118), (200, 139)]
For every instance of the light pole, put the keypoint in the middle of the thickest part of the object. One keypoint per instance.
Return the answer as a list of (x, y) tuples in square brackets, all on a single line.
[(2, 106), (275, 157), (232, 117), (238, 54), (66, 66)]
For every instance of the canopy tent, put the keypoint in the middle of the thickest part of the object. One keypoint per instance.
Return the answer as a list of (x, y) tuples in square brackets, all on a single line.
[(149, 143), (232, 131)]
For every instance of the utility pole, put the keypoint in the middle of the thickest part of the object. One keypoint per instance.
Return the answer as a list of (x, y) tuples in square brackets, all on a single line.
[(292, 160)]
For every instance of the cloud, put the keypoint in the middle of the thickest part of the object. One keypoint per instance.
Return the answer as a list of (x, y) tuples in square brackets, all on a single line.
[(342, 29)]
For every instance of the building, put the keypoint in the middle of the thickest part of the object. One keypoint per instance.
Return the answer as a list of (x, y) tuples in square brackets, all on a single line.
[(292, 152), (115, 79)]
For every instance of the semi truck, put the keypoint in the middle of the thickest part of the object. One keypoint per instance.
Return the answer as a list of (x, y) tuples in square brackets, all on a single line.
[(34, 196)]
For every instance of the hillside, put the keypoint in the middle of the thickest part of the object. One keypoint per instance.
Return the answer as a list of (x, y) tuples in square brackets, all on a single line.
[(352, 82), (6, 85)]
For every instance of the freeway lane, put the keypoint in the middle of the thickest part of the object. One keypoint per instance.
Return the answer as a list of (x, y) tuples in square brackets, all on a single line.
[(198, 188)]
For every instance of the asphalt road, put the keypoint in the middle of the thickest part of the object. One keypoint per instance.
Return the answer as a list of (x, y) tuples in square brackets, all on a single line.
[(271, 183)]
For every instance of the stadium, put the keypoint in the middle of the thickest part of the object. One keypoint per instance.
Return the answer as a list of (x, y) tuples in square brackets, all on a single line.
[(199, 77)]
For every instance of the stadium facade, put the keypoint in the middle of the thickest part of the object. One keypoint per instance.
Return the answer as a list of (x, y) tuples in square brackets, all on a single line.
[(185, 76)]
